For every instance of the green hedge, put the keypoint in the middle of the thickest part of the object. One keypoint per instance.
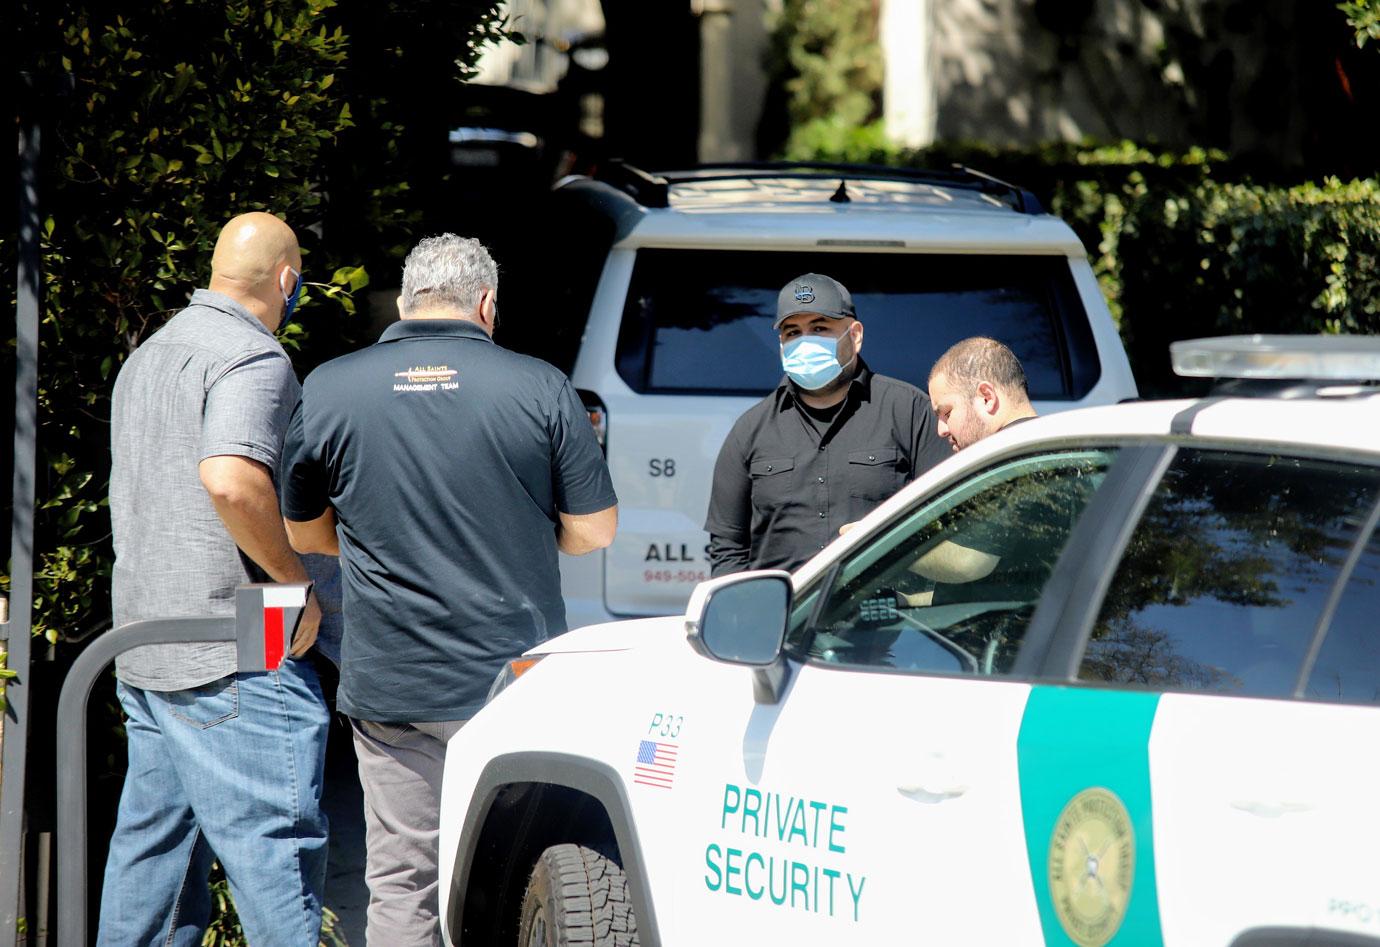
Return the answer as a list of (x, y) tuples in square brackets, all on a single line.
[(1185, 244), (1224, 258), (180, 115)]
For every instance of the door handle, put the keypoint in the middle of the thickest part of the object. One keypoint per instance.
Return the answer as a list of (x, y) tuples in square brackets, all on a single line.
[(1269, 808), (931, 795)]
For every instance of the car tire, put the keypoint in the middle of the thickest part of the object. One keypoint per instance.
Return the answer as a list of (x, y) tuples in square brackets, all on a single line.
[(576, 896)]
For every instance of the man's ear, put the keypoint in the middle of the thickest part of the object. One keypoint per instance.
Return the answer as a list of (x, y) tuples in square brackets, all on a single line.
[(400, 309), (487, 305), (857, 336), (991, 402)]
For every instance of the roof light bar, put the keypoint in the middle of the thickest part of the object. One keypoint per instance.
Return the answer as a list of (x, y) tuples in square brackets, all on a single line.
[(1282, 357)]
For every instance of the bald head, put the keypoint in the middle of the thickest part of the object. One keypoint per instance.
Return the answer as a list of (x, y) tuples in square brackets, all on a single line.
[(978, 359), (250, 264), (252, 248), (977, 388)]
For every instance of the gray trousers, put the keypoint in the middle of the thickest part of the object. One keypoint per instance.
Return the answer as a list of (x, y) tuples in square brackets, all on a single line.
[(400, 768)]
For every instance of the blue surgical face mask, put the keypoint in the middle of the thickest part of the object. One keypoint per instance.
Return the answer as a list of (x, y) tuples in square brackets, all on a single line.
[(811, 361), (290, 299)]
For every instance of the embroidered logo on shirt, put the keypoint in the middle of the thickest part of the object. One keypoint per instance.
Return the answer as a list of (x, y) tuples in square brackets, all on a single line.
[(427, 378)]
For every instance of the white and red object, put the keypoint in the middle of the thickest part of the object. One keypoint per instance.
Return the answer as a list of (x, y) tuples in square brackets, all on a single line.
[(266, 616)]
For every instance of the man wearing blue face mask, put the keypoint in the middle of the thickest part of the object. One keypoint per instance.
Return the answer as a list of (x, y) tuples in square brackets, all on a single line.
[(223, 764), (821, 451)]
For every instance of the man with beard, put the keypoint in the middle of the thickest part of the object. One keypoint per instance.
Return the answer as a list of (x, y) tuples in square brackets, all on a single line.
[(821, 451)]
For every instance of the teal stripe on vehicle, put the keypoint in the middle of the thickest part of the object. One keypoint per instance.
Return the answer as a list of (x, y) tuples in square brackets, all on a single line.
[(1077, 739)]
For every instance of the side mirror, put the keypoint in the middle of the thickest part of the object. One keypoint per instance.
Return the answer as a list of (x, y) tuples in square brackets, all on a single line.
[(741, 619)]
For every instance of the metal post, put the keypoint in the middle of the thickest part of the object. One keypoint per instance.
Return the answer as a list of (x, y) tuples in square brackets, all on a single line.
[(72, 874), (17, 630)]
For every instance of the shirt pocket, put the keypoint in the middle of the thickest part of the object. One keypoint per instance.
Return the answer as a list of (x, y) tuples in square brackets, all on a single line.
[(877, 473), (771, 488)]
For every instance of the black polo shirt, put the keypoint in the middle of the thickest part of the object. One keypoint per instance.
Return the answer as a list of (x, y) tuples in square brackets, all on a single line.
[(782, 489), (446, 459)]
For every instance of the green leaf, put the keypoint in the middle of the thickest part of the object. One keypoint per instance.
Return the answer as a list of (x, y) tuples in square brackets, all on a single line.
[(355, 277)]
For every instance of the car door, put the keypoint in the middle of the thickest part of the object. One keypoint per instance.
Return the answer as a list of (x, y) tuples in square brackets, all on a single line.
[(1229, 773), (879, 798)]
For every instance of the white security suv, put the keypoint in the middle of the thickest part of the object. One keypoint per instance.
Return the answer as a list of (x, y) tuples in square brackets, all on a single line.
[(1107, 677), (677, 275)]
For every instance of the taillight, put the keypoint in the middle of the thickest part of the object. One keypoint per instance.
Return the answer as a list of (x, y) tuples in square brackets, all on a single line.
[(598, 416)]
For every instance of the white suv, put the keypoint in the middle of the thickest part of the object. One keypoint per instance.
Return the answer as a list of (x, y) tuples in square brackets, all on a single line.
[(1151, 717), (678, 275)]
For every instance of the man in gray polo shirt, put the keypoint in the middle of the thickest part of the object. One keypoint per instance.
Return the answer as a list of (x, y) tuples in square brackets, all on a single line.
[(222, 765)]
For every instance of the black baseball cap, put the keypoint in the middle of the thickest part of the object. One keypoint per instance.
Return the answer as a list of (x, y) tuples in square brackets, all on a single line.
[(814, 293)]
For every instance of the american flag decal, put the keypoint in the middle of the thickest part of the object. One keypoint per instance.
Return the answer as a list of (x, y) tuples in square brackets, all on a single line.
[(656, 764)]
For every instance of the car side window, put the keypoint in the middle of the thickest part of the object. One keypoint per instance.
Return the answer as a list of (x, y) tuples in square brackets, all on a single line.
[(951, 587), (1225, 577), (798, 625), (1347, 669)]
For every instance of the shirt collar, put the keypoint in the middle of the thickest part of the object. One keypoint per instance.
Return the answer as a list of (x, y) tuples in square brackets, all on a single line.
[(434, 328), (860, 387), (223, 303)]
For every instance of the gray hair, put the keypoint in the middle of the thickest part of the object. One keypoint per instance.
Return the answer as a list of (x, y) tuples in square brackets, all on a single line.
[(447, 271)]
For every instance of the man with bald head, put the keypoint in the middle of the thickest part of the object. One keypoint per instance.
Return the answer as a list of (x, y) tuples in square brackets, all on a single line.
[(977, 388), (222, 765)]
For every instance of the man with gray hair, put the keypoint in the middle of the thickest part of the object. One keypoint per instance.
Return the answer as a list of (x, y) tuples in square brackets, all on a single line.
[(446, 472), (977, 388)]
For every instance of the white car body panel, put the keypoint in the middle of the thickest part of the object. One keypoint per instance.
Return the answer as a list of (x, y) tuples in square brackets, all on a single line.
[(1263, 811), (1244, 848)]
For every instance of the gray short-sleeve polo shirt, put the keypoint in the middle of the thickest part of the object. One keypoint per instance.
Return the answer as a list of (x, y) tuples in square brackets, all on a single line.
[(211, 382)]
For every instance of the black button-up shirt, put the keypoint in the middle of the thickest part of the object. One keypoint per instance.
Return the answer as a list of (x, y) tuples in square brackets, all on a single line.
[(782, 490)]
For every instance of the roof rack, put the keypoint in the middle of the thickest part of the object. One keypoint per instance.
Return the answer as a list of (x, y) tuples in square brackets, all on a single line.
[(653, 189)]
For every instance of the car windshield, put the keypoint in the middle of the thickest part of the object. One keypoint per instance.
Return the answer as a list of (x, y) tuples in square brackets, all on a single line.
[(700, 321)]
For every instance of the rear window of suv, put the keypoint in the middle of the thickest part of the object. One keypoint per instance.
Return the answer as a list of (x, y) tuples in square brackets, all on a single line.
[(700, 321)]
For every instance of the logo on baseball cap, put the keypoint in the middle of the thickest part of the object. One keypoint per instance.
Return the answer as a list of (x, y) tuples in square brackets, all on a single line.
[(813, 293)]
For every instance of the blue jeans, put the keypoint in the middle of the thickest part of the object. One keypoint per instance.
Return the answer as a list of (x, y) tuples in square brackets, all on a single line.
[(231, 771)]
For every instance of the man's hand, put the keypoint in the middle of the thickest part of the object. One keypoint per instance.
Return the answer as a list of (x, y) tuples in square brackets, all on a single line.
[(307, 627), (242, 492), (917, 599), (843, 530)]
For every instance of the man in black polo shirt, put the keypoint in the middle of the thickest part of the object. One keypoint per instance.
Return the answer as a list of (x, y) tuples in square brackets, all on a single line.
[(831, 443), (450, 471)]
